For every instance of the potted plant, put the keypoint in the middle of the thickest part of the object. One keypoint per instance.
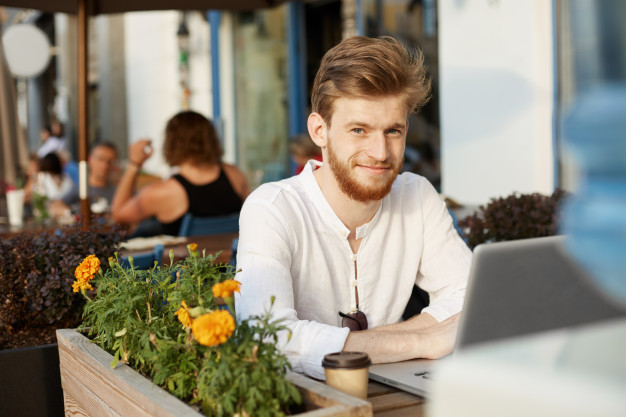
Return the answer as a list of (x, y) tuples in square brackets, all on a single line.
[(36, 298), (516, 216), (175, 326)]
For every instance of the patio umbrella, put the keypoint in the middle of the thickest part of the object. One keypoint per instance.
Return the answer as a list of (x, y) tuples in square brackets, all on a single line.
[(85, 8), (14, 156)]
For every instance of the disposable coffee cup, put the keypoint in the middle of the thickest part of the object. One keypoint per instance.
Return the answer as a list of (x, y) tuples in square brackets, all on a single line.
[(15, 207), (348, 372)]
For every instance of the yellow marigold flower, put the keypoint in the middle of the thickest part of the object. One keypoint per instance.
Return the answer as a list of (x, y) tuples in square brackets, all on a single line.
[(226, 289), (214, 328), (183, 315), (193, 247), (85, 273)]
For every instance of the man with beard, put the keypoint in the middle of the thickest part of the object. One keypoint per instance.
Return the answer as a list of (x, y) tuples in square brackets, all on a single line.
[(341, 245)]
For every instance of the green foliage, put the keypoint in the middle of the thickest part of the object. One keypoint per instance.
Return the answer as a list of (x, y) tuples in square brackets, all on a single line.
[(37, 271), (517, 216), (132, 317)]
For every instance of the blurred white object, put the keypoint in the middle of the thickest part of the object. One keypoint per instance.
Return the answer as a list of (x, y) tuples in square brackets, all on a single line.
[(15, 207), (27, 50), (569, 372), (101, 205), (139, 243)]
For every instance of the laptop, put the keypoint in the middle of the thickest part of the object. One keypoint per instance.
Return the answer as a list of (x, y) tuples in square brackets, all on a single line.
[(515, 288)]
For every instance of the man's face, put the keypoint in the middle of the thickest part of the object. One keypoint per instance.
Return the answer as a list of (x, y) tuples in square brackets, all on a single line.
[(365, 145), (101, 162)]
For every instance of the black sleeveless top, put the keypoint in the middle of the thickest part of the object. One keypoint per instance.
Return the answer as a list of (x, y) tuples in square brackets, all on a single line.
[(216, 198)]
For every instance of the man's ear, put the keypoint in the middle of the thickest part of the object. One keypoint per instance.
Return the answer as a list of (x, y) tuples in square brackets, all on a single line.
[(317, 129)]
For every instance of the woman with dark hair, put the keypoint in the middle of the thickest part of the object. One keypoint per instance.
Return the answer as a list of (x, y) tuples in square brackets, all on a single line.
[(51, 181), (204, 186)]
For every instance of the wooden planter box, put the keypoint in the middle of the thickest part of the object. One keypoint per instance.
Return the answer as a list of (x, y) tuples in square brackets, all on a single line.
[(92, 388)]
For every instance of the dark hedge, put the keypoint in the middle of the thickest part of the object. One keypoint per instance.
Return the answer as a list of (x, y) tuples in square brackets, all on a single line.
[(517, 216), (37, 272)]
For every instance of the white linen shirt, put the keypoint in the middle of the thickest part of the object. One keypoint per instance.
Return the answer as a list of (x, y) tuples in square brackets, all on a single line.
[(294, 247)]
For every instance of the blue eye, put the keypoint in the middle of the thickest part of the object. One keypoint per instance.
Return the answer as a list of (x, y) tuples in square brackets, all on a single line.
[(357, 130)]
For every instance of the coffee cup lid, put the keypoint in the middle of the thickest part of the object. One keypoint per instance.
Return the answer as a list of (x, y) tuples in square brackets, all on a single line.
[(346, 360)]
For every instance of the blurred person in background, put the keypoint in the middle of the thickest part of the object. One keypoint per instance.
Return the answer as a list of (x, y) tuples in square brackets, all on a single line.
[(52, 139), (101, 180), (51, 181), (204, 186), (302, 149)]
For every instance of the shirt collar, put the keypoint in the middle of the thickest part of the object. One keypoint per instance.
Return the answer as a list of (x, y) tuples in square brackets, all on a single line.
[(327, 213)]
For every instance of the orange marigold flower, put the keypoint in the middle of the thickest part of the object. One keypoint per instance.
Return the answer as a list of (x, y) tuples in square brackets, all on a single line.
[(85, 273), (77, 286), (214, 328), (226, 289), (193, 247), (183, 315)]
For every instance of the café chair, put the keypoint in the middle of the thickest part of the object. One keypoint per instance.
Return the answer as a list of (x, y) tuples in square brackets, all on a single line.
[(233, 252), (197, 226), (145, 260)]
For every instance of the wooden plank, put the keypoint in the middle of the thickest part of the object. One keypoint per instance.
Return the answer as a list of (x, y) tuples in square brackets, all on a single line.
[(394, 401), (375, 389), (83, 398), (72, 408), (332, 411), (412, 411)]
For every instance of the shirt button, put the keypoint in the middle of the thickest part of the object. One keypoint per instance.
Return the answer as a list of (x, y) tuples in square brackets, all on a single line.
[(353, 282)]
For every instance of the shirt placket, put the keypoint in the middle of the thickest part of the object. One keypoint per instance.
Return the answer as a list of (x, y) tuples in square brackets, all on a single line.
[(354, 293)]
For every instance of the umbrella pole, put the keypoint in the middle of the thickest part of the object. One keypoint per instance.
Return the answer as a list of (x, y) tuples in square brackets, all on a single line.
[(83, 145)]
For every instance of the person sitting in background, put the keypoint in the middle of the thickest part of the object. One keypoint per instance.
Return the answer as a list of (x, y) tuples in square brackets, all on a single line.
[(204, 186), (102, 163), (52, 139), (302, 149), (51, 181), (70, 166)]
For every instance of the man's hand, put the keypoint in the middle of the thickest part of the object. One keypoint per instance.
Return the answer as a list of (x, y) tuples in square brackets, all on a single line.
[(419, 337)]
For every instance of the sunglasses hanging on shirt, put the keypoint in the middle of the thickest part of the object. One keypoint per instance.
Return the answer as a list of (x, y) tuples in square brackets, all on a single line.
[(355, 321)]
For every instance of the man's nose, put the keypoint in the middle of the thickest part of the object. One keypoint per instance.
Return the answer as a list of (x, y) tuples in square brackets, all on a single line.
[(378, 147)]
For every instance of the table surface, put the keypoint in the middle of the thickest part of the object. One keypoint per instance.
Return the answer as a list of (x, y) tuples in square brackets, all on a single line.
[(392, 402), (221, 243), (30, 226)]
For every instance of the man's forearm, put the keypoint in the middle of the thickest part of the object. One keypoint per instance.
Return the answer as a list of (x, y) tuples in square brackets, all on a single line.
[(417, 322), (414, 338)]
